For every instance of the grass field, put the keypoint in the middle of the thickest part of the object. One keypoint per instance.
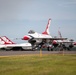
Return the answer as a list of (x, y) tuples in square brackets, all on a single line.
[(36, 65)]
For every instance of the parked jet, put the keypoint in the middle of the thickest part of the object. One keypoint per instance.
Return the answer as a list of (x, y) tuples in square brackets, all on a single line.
[(7, 44), (67, 44), (38, 40)]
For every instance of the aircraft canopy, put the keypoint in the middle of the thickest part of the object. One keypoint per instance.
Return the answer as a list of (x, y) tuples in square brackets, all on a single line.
[(31, 32)]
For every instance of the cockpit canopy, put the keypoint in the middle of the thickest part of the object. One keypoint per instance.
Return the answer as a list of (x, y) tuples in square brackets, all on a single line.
[(31, 32)]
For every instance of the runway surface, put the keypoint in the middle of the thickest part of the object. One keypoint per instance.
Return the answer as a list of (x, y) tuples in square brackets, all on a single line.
[(10, 53)]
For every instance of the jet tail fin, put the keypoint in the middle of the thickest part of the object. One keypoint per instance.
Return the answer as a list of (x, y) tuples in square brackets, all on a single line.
[(6, 40), (2, 42), (59, 33), (47, 32)]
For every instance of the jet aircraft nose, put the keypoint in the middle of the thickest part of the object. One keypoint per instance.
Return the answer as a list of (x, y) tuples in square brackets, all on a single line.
[(54, 42), (26, 38)]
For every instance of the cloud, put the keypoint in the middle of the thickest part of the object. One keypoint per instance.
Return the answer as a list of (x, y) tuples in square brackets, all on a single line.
[(12, 9), (18, 10), (68, 3)]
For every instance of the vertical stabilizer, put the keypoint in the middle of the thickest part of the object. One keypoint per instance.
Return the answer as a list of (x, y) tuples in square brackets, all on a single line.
[(59, 33), (6, 40), (2, 42), (47, 32)]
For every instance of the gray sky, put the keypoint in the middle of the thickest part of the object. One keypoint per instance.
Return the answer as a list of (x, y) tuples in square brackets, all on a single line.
[(17, 17)]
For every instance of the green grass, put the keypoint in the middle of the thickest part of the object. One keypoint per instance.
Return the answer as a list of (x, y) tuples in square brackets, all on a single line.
[(36, 65)]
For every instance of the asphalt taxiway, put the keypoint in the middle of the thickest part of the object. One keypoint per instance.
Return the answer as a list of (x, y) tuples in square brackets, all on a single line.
[(10, 53)]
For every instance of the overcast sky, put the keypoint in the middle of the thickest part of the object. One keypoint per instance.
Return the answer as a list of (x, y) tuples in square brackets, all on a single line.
[(17, 17)]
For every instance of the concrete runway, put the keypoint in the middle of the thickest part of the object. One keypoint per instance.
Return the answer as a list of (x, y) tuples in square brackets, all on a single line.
[(10, 53)]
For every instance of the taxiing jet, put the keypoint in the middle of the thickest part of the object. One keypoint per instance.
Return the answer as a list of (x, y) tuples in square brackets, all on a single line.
[(7, 44), (38, 40)]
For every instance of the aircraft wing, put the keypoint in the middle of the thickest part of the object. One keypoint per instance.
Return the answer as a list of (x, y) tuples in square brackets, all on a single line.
[(57, 38), (52, 38)]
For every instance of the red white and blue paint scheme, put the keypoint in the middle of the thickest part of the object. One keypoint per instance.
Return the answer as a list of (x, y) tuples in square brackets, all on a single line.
[(7, 44), (37, 39)]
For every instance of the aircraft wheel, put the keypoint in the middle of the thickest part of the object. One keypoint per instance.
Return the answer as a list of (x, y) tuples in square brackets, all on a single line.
[(48, 49), (8, 50)]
